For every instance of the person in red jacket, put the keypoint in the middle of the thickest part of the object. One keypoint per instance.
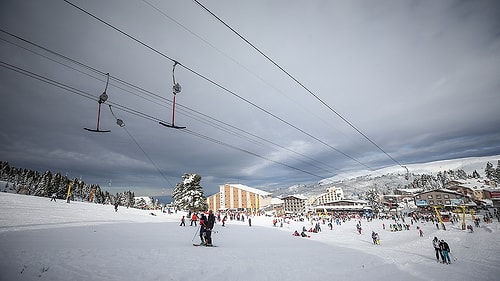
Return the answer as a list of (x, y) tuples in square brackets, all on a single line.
[(203, 229), (194, 218)]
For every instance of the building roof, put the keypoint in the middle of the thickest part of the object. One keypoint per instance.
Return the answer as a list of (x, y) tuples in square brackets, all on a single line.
[(298, 196), (441, 190), (248, 188)]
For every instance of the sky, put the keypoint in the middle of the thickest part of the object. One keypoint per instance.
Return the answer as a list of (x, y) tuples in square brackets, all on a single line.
[(43, 240), (275, 93)]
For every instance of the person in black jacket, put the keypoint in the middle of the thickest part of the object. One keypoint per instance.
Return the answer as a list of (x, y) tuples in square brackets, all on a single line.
[(445, 249), (209, 226)]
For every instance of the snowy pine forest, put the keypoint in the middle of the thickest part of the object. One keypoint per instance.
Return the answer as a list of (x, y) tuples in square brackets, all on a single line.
[(29, 182)]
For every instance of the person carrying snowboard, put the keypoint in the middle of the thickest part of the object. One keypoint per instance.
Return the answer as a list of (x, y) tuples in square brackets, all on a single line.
[(209, 226)]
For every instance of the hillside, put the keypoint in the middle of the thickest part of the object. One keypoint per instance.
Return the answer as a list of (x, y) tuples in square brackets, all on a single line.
[(389, 178)]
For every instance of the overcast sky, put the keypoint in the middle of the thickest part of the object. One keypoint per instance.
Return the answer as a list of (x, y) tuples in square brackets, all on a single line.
[(383, 83)]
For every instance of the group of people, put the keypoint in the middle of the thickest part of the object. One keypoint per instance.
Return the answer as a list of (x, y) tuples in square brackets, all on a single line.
[(302, 234), (206, 227), (442, 250)]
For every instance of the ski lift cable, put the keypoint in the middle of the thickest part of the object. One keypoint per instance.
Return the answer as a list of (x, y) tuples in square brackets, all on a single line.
[(277, 90), (143, 115), (214, 83), (298, 82), (88, 67), (120, 123), (102, 99), (176, 88), (145, 92), (155, 95)]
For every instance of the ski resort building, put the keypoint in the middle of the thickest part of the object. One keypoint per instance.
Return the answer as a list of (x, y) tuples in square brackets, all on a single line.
[(332, 194), (295, 204), (348, 206), (239, 197), (441, 197)]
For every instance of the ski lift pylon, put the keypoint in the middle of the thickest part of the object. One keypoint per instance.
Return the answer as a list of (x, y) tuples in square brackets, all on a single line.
[(102, 99), (176, 88)]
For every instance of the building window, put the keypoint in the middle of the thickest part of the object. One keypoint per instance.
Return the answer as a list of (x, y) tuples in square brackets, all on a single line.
[(446, 196), (438, 196), (440, 202), (447, 202), (418, 196), (429, 196), (431, 202)]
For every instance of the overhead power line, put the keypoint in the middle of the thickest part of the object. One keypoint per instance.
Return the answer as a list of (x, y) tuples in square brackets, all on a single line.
[(298, 82)]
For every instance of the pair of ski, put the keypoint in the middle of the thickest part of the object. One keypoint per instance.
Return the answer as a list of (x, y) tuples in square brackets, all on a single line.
[(197, 245)]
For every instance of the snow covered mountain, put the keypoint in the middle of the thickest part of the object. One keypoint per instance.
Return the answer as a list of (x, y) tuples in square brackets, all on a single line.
[(389, 178)]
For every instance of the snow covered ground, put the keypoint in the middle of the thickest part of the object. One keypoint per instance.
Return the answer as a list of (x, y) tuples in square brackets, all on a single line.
[(44, 240)]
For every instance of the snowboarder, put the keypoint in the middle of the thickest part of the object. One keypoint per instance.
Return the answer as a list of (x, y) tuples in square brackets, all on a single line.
[(249, 221), (435, 244), (374, 237), (209, 227), (116, 206), (421, 232), (445, 249), (183, 221), (53, 197)]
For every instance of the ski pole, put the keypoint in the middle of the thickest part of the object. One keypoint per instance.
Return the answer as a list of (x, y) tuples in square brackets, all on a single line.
[(198, 229)]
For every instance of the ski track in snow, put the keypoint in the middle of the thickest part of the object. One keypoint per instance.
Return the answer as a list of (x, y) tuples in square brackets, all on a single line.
[(43, 240)]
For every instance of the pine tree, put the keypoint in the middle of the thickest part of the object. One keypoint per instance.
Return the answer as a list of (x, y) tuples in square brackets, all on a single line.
[(489, 171), (373, 196), (188, 195), (496, 173)]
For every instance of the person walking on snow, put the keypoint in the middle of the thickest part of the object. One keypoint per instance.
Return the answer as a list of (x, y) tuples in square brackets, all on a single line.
[(374, 237), (209, 226), (445, 249), (435, 244), (183, 221)]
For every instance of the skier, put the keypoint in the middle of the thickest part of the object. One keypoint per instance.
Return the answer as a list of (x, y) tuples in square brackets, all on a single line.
[(209, 226), (116, 206), (183, 221), (53, 197), (194, 218), (421, 232), (445, 249), (203, 229), (249, 221), (435, 244)]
